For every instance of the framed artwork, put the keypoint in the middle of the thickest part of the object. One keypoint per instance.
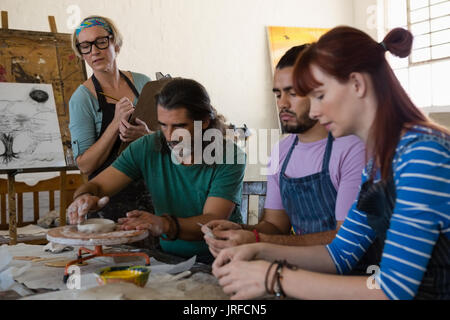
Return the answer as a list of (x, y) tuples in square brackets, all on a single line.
[(43, 58), (29, 128), (281, 39)]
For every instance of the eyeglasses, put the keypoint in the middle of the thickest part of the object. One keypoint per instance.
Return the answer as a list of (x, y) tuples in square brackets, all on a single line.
[(101, 44)]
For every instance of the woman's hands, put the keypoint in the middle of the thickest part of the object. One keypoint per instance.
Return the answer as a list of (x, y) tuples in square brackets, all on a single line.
[(127, 131), (124, 109), (238, 276)]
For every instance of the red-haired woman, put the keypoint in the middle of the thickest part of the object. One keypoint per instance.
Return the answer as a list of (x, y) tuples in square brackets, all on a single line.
[(403, 209)]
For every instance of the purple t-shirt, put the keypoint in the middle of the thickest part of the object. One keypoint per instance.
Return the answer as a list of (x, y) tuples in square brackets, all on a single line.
[(346, 165)]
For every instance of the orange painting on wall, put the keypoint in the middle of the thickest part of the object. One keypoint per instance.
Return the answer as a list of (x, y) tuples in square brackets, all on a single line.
[(282, 39)]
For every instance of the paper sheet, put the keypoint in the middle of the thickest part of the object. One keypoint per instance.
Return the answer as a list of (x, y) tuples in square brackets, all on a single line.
[(162, 286), (31, 230), (39, 276), (9, 271), (159, 267)]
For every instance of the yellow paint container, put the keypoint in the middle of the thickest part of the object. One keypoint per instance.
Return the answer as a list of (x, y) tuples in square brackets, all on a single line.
[(136, 274)]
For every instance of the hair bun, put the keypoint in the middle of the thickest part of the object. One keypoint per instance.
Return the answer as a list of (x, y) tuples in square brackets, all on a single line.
[(399, 42)]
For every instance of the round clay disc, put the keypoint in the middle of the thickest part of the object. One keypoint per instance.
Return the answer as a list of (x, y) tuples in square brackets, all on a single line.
[(97, 226)]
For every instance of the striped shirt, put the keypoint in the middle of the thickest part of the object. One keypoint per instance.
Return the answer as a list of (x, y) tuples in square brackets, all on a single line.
[(421, 168)]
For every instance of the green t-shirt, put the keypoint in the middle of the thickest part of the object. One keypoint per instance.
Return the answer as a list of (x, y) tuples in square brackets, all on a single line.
[(182, 190)]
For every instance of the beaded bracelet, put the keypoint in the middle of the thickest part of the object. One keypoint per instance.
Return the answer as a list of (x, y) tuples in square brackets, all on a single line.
[(274, 279), (278, 290), (267, 277), (173, 221), (177, 225)]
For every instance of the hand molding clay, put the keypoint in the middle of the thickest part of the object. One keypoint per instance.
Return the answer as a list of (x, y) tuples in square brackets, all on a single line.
[(97, 226)]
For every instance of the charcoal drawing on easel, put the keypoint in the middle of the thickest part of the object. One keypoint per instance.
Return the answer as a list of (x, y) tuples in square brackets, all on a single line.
[(29, 129)]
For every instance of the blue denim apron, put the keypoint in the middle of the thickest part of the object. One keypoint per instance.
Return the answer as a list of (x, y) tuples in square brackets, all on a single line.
[(310, 201)]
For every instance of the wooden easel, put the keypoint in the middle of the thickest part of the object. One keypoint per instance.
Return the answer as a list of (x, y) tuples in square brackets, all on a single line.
[(12, 213)]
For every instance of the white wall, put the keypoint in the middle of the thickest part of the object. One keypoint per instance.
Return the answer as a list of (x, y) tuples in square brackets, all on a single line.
[(220, 43), (367, 15)]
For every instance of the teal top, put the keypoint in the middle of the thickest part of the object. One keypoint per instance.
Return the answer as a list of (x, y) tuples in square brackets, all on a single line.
[(182, 190), (85, 117)]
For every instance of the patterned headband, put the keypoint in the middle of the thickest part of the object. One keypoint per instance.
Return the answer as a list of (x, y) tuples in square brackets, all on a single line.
[(92, 22)]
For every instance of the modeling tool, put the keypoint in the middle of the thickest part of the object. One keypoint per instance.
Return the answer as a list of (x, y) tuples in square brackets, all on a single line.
[(208, 231)]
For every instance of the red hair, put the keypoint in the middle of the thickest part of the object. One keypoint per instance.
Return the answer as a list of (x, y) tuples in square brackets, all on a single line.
[(344, 50)]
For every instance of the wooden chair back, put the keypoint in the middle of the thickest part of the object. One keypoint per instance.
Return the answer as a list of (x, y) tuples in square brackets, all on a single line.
[(253, 188), (72, 182)]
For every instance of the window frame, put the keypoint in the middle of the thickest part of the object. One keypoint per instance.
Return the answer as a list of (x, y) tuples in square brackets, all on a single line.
[(409, 24), (384, 27)]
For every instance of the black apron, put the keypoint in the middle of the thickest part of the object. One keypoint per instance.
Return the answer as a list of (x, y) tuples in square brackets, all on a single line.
[(377, 200), (135, 196)]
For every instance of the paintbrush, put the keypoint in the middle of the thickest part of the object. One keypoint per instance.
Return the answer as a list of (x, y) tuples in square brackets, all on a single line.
[(106, 95)]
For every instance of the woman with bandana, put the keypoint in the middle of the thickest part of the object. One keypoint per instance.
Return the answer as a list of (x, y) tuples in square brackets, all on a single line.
[(98, 123)]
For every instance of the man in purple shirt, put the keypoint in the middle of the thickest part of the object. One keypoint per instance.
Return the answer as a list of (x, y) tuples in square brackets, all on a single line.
[(316, 181)]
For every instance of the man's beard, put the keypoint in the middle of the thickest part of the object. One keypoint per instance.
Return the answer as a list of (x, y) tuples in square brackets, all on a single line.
[(181, 151), (304, 123)]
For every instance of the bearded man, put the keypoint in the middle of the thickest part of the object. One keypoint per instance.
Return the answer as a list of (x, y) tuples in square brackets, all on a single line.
[(316, 181)]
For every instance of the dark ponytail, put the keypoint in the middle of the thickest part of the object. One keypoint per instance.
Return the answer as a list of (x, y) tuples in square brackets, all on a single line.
[(344, 50), (398, 42)]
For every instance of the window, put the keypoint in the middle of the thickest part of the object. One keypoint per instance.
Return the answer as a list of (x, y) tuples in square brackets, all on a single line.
[(425, 74)]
